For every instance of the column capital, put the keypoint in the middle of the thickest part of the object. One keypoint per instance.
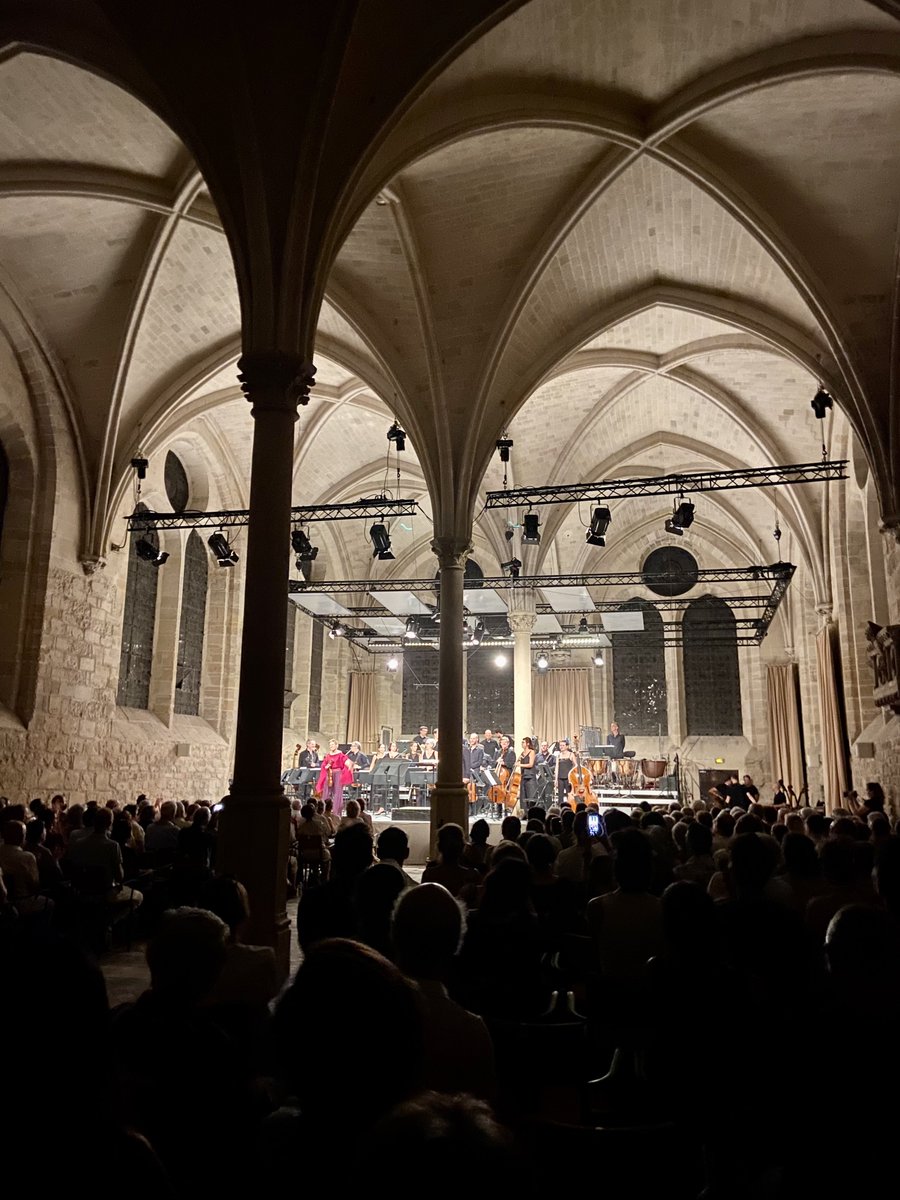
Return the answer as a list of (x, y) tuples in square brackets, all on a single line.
[(451, 551), (890, 525), (92, 563), (275, 380), (521, 622), (825, 611)]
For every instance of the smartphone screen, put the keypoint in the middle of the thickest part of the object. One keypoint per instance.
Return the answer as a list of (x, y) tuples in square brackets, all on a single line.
[(594, 829)]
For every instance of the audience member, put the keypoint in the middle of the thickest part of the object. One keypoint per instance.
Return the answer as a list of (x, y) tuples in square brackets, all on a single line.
[(450, 869)]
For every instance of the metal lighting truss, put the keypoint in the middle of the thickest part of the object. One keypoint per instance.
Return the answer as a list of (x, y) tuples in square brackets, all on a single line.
[(300, 514), (745, 630), (669, 485)]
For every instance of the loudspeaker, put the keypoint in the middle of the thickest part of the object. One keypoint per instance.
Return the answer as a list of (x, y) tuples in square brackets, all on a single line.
[(411, 814)]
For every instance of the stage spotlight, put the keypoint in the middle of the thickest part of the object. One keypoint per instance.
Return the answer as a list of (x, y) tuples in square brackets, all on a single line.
[(531, 535), (596, 535), (478, 632), (504, 445), (598, 659), (500, 660), (139, 464), (509, 533), (681, 519), (398, 435), (412, 629), (512, 568), (302, 547), (145, 549), (392, 664), (821, 402), (337, 630), (222, 551), (543, 662), (583, 625), (381, 542)]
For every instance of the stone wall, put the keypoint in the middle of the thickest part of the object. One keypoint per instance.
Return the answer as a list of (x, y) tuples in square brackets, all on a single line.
[(78, 742)]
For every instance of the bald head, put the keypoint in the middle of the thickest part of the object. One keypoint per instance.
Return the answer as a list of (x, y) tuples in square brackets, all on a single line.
[(427, 931)]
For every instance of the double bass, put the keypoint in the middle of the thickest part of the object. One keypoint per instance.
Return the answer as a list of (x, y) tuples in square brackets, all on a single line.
[(580, 781)]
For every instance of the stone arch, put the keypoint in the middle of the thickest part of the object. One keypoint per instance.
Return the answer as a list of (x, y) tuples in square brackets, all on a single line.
[(711, 669)]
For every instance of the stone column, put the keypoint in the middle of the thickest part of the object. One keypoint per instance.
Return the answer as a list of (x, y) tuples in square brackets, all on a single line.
[(449, 799), (676, 706), (254, 827), (521, 623)]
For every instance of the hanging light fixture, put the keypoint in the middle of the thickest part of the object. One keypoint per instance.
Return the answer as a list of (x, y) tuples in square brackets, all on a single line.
[(381, 542), (512, 568), (682, 518), (600, 521), (531, 529), (222, 551), (412, 629), (821, 402), (145, 549), (397, 435), (392, 663), (543, 662), (302, 547), (337, 630), (598, 659)]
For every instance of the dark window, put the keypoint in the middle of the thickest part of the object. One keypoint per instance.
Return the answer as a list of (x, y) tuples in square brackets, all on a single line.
[(4, 488), (315, 676), (639, 675), (420, 689), (679, 564), (178, 489), (136, 659), (191, 627), (490, 692), (712, 680), (289, 694)]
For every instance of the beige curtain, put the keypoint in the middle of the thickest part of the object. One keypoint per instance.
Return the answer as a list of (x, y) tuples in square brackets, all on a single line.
[(784, 726), (561, 703), (362, 723), (834, 739)]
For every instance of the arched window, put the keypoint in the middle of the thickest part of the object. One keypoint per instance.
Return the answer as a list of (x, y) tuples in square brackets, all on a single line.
[(136, 659), (178, 489), (4, 488), (191, 626), (639, 675), (712, 680)]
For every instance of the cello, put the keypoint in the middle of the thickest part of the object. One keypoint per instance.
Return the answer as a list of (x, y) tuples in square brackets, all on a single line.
[(580, 781), (511, 798)]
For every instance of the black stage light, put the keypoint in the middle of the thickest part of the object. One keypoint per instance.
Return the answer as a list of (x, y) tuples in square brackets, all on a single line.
[(398, 435), (222, 551), (140, 465), (337, 630), (512, 568), (302, 547), (412, 628), (600, 520), (145, 549), (531, 535), (583, 625), (504, 445), (821, 402), (477, 634), (509, 533), (682, 518), (598, 659), (381, 542)]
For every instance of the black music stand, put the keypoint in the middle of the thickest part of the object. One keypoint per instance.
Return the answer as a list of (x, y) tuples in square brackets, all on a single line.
[(544, 776), (396, 777), (420, 777), (378, 783), (362, 783)]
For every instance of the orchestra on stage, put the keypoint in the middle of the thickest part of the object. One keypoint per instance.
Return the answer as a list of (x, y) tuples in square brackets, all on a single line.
[(591, 767)]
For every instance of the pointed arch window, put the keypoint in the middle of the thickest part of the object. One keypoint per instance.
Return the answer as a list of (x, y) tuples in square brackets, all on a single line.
[(136, 656), (639, 675), (191, 627), (712, 679)]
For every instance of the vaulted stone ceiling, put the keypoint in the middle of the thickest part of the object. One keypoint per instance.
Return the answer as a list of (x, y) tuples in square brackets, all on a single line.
[(633, 235)]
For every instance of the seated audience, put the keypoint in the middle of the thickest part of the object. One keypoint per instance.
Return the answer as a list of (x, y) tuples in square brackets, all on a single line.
[(626, 924), (249, 974), (450, 869), (161, 836), (327, 911), (374, 898), (700, 866), (20, 869), (393, 846)]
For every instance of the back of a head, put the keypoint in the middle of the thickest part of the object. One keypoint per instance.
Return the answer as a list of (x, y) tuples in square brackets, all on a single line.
[(861, 944), (307, 811), (34, 832), (351, 852), (580, 828), (568, 819), (201, 817), (649, 819), (121, 830), (167, 810), (507, 887), (352, 809), (427, 931), (186, 954), (451, 842), (511, 829), (747, 824), (103, 820), (480, 832), (817, 825), (633, 864), (753, 861), (698, 839), (844, 827), (724, 825), (450, 1141), (393, 843), (800, 856), (838, 864), (541, 852), (508, 850), (227, 898), (13, 833), (322, 1072)]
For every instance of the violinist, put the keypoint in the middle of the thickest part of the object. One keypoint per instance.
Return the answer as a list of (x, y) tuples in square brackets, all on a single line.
[(335, 775), (565, 762), (310, 756), (526, 762), (394, 751), (507, 755)]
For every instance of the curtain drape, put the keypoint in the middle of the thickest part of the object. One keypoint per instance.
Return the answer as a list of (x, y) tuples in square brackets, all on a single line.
[(561, 702), (362, 722), (834, 740), (784, 726)]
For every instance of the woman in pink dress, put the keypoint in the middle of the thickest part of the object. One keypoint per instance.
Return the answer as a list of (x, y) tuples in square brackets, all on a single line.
[(336, 773)]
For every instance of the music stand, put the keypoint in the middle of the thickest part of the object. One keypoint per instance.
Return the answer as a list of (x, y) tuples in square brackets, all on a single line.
[(419, 777), (378, 783), (396, 774), (544, 776)]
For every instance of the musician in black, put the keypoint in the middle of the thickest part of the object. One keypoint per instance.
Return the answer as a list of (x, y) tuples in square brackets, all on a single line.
[(507, 759), (491, 747), (545, 756), (310, 756), (616, 742), (360, 761), (526, 763), (473, 756), (565, 762)]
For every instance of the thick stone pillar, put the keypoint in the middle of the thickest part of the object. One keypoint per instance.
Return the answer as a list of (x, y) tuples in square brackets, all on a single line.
[(254, 827), (449, 799), (521, 623), (676, 706)]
